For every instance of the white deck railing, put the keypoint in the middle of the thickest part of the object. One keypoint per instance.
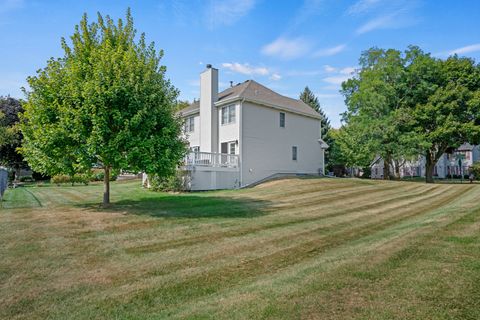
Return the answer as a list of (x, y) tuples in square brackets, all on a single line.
[(209, 159)]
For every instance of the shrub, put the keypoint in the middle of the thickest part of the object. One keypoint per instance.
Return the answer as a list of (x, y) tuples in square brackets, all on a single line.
[(81, 178), (367, 173), (60, 178), (475, 169), (176, 182), (98, 175)]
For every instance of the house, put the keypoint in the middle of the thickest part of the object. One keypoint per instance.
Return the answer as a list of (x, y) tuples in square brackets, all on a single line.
[(447, 166), (248, 133)]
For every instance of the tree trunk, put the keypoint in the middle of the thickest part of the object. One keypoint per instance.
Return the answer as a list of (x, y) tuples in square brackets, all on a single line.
[(397, 170), (106, 187), (16, 173), (429, 168), (386, 168)]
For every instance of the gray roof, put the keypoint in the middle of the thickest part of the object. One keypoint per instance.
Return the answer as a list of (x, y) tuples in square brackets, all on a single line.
[(255, 92), (465, 147)]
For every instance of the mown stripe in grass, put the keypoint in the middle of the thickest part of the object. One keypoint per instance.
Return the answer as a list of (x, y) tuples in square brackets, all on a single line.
[(212, 280), (216, 236)]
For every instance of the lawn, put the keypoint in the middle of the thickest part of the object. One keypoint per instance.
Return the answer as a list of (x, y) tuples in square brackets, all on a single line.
[(297, 248)]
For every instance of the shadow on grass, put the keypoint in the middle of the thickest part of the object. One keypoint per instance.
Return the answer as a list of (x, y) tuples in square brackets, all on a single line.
[(188, 206)]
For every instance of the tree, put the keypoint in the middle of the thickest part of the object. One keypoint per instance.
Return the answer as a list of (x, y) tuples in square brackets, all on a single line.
[(10, 136), (352, 147), (374, 98), (310, 99), (106, 101), (445, 104), (182, 104)]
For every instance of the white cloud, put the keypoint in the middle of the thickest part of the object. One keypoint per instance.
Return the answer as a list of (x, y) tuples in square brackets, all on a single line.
[(308, 9), (327, 95), (330, 87), (329, 68), (227, 12), (362, 6), (337, 79), (466, 49), (275, 77), (347, 70), (245, 68), (377, 23), (287, 48), (388, 14), (330, 51)]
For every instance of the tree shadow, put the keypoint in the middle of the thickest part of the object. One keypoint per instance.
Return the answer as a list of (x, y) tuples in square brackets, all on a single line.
[(199, 205)]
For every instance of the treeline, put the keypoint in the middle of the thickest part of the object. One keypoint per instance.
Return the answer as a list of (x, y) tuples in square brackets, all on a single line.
[(401, 105)]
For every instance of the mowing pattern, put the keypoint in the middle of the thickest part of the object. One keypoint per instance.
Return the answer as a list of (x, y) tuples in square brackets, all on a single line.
[(314, 248)]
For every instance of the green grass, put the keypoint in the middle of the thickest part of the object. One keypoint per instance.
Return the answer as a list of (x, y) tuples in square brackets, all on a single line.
[(297, 248)]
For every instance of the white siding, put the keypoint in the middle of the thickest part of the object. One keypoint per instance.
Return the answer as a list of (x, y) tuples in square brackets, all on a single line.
[(231, 131), (266, 148), (193, 137)]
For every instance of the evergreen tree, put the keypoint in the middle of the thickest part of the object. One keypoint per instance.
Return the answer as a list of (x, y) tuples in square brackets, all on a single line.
[(309, 98)]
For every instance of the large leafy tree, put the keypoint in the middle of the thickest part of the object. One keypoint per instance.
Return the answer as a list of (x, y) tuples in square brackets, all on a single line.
[(374, 98), (351, 147), (106, 101), (10, 136), (309, 98), (444, 99)]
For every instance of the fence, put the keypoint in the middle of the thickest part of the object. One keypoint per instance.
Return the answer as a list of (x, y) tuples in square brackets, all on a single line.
[(209, 159)]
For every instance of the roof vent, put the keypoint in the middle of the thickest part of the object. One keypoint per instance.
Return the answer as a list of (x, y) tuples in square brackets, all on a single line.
[(209, 66)]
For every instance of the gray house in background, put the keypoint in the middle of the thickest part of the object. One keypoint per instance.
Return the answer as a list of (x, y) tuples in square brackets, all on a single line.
[(247, 133), (448, 164)]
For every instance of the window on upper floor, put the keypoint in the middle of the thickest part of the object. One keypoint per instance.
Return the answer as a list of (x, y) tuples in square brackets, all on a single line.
[(282, 119), (228, 114), (294, 153), (190, 124)]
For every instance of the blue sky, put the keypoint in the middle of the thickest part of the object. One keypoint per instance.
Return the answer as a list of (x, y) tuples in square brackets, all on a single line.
[(284, 45)]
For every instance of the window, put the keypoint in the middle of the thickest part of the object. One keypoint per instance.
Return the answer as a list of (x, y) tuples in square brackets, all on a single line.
[(282, 120), (228, 147), (294, 153), (195, 149), (231, 148), (190, 124), (228, 114)]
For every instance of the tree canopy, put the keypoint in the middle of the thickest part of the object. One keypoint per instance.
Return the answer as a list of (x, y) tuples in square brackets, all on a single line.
[(10, 136), (409, 104), (106, 101)]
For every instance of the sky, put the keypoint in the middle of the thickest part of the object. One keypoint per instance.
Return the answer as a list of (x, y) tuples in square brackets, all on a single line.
[(284, 45)]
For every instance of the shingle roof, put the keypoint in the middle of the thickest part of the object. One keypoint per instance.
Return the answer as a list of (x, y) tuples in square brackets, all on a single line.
[(465, 147), (192, 108), (255, 92)]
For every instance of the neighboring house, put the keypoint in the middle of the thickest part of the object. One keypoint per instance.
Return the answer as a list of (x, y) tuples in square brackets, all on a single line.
[(247, 133), (448, 165)]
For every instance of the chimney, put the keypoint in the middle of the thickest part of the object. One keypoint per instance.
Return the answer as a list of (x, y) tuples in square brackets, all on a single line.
[(208, 112)]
